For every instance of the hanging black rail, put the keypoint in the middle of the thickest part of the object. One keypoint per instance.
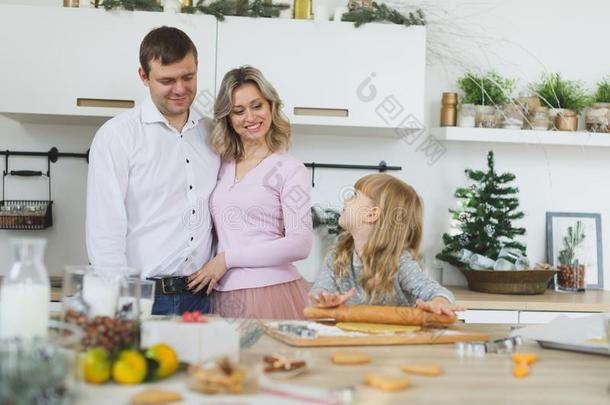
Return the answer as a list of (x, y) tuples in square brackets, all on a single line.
[(53, 154), (381, 167)]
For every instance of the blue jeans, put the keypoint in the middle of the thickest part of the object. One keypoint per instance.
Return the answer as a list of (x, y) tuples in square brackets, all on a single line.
[(178, 303)]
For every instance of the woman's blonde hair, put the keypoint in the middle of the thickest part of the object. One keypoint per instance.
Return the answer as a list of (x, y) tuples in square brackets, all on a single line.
[(398, 229), (224, 138)]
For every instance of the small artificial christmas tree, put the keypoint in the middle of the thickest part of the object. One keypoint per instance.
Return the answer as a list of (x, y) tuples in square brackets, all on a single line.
[(485, 216)]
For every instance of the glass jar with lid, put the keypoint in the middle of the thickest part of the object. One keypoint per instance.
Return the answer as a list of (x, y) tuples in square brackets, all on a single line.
[(597, 117), (539, 118), (466, 116), (487, 116), (512, 116), (109, 296)]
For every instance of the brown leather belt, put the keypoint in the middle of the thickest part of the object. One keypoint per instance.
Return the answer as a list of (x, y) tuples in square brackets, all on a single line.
[(171, 285)]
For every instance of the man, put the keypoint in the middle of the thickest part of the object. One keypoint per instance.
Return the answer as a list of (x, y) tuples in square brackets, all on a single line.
[(151, 172)]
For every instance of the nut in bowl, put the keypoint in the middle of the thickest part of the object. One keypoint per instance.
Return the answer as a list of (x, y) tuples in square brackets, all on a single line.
[(100, 301)]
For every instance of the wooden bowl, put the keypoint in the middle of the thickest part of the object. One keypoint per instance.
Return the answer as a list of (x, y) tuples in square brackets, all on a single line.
[(526, 282)]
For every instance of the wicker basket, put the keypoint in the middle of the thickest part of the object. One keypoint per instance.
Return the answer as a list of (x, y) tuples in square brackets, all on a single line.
[(26, 214), (525, 282)]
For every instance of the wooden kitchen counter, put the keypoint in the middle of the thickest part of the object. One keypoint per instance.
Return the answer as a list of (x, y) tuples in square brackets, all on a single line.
[(589, 301), (558, 377)]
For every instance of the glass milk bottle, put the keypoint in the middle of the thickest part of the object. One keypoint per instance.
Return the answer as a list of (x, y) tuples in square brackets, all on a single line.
[(25, 292)]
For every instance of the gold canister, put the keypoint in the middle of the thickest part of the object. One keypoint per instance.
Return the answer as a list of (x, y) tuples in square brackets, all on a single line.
[(566, 121), (186, 3), (302, 9), (71, 3), (449, 110)]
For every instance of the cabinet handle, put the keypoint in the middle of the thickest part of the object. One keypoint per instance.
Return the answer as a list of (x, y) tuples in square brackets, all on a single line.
[(27, 173), (104, 103), (321, 112)]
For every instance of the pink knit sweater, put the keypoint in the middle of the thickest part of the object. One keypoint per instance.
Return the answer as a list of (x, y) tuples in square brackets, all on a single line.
[(263, 222)]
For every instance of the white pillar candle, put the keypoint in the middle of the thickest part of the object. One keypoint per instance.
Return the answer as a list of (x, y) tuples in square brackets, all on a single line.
[(339, 11), (146, 306), (101, 295), (172, 6), (321, 13), (466, 121)]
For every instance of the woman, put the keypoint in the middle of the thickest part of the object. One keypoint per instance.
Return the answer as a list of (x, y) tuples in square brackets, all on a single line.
[(260, 207)]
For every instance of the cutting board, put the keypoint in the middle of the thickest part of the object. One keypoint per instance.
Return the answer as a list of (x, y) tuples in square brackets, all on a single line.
[(337, 337)]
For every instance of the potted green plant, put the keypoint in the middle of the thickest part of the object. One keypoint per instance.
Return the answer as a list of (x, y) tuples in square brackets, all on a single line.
[(571, 276), (602, 94), (597, 118), (487, 92), (565, 98)]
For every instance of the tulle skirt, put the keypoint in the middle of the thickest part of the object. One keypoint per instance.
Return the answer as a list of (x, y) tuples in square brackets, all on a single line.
[(279, 301)]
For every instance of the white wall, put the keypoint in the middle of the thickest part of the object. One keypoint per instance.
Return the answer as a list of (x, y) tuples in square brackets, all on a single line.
[(521, 39), (66, 243)]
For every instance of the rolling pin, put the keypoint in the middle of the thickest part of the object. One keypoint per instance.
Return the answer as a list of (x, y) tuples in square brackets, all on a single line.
[(379, 314)]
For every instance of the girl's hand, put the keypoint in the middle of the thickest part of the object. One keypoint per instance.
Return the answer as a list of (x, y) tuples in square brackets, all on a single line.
[(329, 300), (439, 306), (208, 275)]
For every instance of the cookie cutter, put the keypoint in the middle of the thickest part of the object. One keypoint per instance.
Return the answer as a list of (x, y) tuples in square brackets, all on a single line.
[(479, 349), (344, 395), (298, 330), (470, 349)]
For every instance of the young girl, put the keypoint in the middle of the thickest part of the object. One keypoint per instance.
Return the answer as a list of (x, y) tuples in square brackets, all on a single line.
[(374, 259)]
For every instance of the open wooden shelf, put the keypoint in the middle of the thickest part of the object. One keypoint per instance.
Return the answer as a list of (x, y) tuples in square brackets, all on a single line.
[(522, 136)]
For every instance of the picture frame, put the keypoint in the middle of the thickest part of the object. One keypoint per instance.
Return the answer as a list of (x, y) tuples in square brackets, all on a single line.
[(591, 252)]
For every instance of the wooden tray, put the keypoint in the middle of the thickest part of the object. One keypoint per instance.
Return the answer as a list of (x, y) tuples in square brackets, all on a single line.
[(524, 282), (423, 337)]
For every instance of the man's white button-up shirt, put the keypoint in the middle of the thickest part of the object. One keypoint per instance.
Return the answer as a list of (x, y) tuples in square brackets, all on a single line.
[(147, 193)]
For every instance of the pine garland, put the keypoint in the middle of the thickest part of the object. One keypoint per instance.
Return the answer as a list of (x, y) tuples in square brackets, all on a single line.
[(381, 12), (132, 5), (485, 217), (260, 9), (241, 8), (217, 8)]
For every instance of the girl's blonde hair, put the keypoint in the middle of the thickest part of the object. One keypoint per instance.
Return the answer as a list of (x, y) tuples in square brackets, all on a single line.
[(224, 138), (398, 229)]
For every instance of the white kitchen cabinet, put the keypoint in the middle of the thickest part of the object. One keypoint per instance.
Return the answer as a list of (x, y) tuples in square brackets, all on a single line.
[(83, 62), (533, 317), (331, 73), (66, 63), (489, 316)]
